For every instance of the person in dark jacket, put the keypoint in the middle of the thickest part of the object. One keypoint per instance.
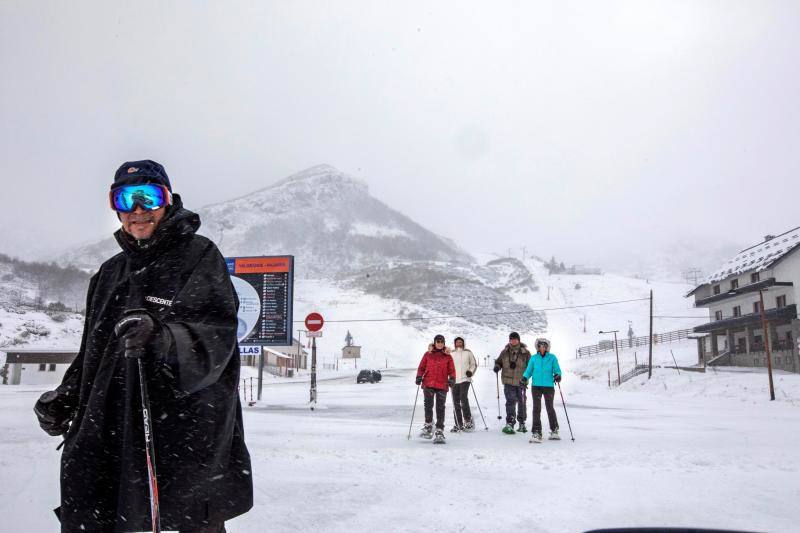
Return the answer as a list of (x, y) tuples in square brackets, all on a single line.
[(168, 298), (436, 372), (512, 361)]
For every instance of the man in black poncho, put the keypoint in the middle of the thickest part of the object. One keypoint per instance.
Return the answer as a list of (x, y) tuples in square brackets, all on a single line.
[(167, 295)]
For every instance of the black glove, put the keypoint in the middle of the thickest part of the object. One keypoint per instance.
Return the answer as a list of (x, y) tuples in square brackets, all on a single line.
[(496, 369), (557, 378), (418, 381), (451, 381), (139, 329), (523, 382), (53, 413), (513, 365), (469, 374)]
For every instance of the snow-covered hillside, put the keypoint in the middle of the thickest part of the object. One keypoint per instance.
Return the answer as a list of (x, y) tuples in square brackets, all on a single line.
[(32, 313)]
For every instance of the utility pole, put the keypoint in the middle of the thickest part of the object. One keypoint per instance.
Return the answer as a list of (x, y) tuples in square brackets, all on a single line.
[(650, 343), (766, 344), (548, 292), (616, 348), (297, 357), (524, 253), (692, 276)]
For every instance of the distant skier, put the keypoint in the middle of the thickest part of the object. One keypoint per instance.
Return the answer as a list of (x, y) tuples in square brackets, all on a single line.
[(435, 373), (543, 368), (465, 365), (512, 361)]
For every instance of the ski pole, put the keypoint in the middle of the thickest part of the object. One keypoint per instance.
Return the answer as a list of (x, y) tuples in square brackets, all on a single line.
[(149, 444), (412, 412), (150, 452), (565, 411), (497, 380), (486, 427)]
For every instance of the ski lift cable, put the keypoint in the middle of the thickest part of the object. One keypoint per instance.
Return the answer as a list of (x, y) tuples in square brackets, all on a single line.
[(476, 315)]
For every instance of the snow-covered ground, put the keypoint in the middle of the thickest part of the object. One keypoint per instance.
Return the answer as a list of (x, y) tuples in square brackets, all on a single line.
[(664, 453), (680, 449)]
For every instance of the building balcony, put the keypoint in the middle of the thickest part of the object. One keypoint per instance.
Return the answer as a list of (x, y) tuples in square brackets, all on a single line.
[(752, 287), (785, 313)]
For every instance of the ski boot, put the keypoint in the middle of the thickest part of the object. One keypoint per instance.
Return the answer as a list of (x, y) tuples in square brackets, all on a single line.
[(438, 438), (522, 428), (469, 426), (455, 429), (554, 434), (536, 438), (509, 429), (427, 431)]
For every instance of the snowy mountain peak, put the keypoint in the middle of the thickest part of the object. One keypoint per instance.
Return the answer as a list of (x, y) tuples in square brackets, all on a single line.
[(324, 217), (323, 175)]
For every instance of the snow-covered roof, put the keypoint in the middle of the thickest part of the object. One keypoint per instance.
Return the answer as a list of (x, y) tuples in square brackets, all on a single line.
[(758, 257), (276, 353)]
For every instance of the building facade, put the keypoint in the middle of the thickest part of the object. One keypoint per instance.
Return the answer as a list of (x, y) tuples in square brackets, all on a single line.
[(734, 335), (35, 367)]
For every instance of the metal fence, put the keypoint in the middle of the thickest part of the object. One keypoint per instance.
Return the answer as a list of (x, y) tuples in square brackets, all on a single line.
[(608, 345)]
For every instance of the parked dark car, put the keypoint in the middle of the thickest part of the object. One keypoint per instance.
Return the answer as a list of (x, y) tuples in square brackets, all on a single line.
[(369, 376)]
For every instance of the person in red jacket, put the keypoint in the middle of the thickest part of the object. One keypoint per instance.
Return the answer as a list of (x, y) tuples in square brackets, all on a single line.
[(435, 373)]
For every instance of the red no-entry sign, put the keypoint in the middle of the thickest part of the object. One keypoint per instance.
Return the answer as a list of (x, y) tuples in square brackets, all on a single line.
[(314, 322)]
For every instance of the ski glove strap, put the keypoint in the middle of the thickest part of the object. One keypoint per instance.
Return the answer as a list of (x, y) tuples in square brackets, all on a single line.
[(139, 329)]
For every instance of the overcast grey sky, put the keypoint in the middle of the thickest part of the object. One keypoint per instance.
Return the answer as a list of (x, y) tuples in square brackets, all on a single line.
[(589, 130)]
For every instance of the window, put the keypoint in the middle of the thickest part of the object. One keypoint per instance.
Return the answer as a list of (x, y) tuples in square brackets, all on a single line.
[(42, 367), (734, 284), (718, 315), (756, 307), (52, 367), (737, 311), (780, 301), (755, 277), (716, 289)]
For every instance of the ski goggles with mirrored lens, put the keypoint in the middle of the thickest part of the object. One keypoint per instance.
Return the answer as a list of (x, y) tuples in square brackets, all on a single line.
[(149, 196)]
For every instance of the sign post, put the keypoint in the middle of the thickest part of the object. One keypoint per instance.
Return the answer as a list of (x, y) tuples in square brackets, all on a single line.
[(264, 286), (314, 323)]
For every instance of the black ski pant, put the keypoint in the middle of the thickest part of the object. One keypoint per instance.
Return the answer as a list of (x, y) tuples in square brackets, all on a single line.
[(549, 393), (441, 398), (516, 403), (461, 403)]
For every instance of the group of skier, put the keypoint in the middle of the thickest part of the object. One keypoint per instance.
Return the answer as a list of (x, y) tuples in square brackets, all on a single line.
[(442, 368)]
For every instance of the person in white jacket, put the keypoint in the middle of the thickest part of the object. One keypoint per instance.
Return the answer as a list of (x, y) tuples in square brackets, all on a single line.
[(466, 365)]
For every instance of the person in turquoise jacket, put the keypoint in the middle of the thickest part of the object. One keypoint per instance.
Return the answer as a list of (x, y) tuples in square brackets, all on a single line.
[(544, 370)]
